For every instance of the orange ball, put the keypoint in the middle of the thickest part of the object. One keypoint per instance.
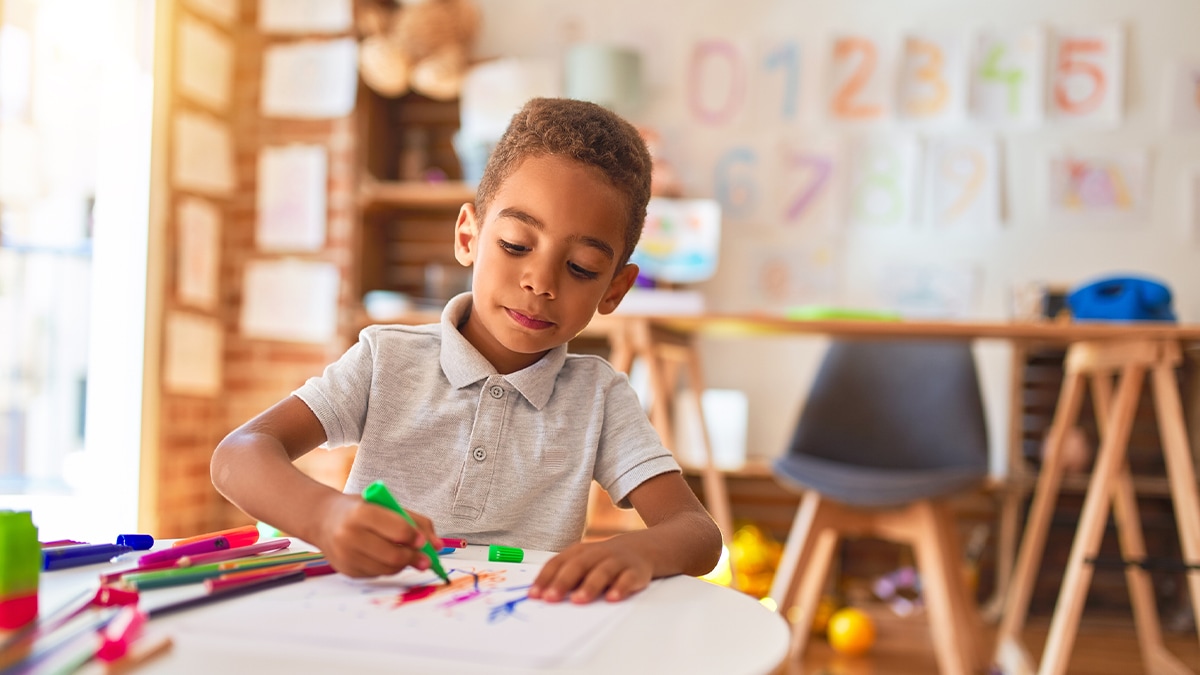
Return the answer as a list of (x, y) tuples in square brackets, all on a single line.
[(850, 631)]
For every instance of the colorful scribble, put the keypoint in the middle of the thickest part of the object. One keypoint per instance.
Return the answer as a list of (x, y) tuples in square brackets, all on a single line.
[(466, 586)]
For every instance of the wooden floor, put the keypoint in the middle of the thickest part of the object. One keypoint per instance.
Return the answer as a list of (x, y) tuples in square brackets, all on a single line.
[(1105, 646)]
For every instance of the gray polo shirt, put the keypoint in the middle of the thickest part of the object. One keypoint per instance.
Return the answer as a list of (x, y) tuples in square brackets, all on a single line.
[(495, 459)]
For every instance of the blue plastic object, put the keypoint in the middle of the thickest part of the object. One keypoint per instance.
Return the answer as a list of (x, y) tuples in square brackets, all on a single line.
[(1121, 298)]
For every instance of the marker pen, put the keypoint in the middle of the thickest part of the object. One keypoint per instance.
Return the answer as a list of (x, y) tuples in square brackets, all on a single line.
[(62, 557)]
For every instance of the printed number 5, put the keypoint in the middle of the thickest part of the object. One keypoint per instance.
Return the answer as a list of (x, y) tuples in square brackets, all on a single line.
[(1071, 64)]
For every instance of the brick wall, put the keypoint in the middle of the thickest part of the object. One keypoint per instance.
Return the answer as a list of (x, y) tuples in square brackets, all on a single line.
[(257, 373)]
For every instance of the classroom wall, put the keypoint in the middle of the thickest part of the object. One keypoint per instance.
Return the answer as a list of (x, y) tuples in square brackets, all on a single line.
[(1031, 243)]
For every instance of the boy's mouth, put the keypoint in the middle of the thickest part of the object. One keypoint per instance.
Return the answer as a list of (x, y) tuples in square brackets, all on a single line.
[(528, 321)]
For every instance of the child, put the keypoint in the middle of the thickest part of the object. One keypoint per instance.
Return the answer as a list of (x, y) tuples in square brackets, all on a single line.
[(483, 424)]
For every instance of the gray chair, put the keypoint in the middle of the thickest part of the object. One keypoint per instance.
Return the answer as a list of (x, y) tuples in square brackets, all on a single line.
[(889, 430)]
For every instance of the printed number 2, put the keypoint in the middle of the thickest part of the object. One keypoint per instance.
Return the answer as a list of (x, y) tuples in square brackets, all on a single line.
[(844, 103)]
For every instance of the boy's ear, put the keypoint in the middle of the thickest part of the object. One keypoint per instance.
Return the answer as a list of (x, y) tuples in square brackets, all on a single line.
[(466, 235), (620, 285)]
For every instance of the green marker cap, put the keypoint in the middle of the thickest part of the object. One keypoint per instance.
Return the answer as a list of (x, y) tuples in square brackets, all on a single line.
[(505, 553)]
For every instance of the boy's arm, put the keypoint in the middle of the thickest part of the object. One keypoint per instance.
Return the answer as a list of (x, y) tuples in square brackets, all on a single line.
[(252, 467), (681, 538)]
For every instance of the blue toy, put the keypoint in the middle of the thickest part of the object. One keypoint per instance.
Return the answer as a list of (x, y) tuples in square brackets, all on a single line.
[(1126, 298)]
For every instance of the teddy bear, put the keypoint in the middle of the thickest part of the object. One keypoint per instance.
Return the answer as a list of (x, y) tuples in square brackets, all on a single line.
[(420, 45)]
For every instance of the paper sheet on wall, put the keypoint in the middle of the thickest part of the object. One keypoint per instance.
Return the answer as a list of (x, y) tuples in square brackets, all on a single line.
[(205, 63), (202, 155), (198, 224), (932, 87), (194, 354), (882, 180), (1087, 75), (483, 616), (224, 11), (805, 181), (1006, 75), (787, 275), (1098, 190), (928, 290), (304, 16), (1183, 96), (310, 79), (962, 184), (857, 81), (291, 198), (290, 300), (717, 76)]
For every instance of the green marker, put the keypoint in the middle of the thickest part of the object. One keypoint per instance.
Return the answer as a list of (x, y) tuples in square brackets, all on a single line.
[(377, 493)]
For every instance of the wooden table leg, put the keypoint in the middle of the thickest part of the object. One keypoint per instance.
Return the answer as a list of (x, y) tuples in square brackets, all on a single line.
[(1109, 461), (1037, 526)]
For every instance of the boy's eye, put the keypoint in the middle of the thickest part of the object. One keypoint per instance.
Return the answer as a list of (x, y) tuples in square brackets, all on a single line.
[(581, 272), (513, 248)]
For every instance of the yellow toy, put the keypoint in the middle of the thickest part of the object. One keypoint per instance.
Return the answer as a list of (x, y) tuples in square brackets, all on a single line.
[(422, 46), (850, 631)]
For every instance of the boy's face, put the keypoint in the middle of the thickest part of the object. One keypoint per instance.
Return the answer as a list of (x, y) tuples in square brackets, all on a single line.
[(545, 260)]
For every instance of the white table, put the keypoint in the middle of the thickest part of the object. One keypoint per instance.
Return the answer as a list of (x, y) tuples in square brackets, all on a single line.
[(681, 624)]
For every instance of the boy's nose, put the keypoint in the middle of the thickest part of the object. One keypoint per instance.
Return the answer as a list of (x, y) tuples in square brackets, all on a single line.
[(539, 280)]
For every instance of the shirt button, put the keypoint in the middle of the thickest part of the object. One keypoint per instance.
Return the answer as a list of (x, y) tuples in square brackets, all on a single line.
[(479, 454), (497, 391)]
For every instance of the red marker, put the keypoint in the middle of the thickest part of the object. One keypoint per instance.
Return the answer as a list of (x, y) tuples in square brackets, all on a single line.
[(456, 543), (236, 536), (177, 552)]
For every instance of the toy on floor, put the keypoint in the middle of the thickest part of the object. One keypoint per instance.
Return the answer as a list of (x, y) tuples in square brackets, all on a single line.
[(850, 631)]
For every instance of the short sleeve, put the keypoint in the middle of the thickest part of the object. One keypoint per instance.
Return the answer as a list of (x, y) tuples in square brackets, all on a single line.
[(630, 451), (339, 396)]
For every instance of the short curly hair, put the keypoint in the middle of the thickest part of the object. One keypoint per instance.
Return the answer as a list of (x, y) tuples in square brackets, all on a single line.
[(582, 131)]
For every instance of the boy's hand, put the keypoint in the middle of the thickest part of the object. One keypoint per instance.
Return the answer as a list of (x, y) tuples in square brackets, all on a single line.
[(609, 569), (367, 540)]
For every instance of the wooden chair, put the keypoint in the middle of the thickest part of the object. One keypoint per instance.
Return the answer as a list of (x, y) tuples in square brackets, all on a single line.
[(889, 431)]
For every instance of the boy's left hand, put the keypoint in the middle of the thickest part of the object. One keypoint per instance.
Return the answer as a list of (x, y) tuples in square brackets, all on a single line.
[(583, 572)]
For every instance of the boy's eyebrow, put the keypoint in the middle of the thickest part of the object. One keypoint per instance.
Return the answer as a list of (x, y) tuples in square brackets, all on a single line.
[(530, 220)]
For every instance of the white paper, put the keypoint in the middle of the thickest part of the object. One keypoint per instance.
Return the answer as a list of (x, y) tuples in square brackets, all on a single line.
[(1087, 75), (962, 184), (928, 290), (304, 16), (804, 183), (194, 354), (726, 413), (1183, 96), (858, 81), (483, 616), (199, 235), (290, 300), (205, 63), (291, 198), (202, 155), (310, 79), (224, 11), (932, 83), (1006, 75), (787, 275), (881, 184), (1095, 190)]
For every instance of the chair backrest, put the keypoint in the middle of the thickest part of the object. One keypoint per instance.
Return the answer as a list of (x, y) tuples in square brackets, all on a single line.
[(886, 421)]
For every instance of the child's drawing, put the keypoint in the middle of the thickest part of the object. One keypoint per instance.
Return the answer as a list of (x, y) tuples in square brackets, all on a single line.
[(483, 614)]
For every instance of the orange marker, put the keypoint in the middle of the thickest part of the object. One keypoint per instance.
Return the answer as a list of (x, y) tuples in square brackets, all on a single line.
[(237, 536)]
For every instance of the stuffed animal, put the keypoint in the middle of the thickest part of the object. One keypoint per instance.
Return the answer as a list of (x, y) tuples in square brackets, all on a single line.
[(421, 45)]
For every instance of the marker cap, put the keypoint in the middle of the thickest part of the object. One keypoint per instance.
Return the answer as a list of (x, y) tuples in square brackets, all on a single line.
[(498, 553), (139, 542)]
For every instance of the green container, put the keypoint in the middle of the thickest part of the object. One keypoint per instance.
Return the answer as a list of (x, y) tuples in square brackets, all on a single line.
[(20, 565)]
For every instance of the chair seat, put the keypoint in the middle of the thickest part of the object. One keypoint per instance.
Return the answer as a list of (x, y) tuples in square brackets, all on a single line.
[(874, 487)]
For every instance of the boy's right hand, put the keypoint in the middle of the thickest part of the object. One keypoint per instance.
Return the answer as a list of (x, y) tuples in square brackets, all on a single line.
[(367, 540)]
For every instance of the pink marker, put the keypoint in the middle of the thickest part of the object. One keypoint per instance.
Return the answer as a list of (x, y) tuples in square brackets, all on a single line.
[(177, 552), (456, 543)]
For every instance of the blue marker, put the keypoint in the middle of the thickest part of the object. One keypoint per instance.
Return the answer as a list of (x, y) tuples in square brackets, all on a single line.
[(62, 557)]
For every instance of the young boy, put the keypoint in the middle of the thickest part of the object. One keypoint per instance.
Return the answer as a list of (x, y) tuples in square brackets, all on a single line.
[(484, 424)]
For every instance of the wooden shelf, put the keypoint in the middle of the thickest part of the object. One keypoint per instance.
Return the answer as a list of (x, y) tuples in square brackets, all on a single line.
[(415, 194)]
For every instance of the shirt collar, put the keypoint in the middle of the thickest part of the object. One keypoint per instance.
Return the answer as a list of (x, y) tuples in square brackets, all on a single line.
[(464, 365)]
